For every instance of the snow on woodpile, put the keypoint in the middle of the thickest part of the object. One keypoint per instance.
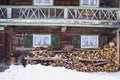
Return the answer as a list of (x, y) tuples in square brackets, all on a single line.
[(39, 72)]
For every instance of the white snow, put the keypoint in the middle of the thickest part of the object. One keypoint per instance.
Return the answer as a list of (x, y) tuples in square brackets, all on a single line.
[(39, 72)]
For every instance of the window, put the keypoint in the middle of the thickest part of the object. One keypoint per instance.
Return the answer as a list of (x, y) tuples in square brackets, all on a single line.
[(89, 41), (41, 40), (43, 2), (87, 3)]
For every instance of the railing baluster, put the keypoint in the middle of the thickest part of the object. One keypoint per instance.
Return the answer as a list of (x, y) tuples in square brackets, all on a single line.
[(43, 13), (48, 13), (19, 13), (59, 15), (2, 12), (38, 13), (28, 13), (33, 12), (23, 13), (100, 15), (79, 14), (55, 13), (71, 14), (95, 14), (113, 15), (104, 14)]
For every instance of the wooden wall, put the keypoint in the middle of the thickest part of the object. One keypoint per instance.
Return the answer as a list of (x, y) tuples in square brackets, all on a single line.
[(5, 41), (56, 2), (65, 37), (103, 3), (2, 42), (109, 3), (4, 2), (21, 2)]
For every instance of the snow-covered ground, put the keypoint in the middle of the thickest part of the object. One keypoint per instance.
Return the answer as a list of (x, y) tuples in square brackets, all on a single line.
[(39, 72)]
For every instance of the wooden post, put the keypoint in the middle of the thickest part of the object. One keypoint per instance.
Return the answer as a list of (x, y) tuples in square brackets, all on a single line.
[(65, 13), (10, 42), (9, 12), (118, 15), (118, 45)]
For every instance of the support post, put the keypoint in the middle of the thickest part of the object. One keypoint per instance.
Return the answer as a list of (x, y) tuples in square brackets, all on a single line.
[(118, 45), (65, 13), (118, 15), (9, 12)]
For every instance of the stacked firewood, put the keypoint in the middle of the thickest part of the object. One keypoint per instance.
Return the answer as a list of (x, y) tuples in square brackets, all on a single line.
[(89, 60)]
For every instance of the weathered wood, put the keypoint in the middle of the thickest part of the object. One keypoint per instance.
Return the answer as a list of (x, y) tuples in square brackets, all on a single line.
[(56, 2), (118, 45), (2, 47), (93, 60), (65, 37), (99, 63), (58, 51), (44, 58), (58, 22), (103, 3), (57, 58)]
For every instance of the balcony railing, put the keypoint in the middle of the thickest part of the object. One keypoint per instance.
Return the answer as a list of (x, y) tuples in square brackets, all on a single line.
[(69, 14), (57, 12)]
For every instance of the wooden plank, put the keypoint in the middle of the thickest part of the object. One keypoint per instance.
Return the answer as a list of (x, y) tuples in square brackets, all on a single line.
[(62, 51), (118, 45), (100, 63), (44, 58), (58, 58), (93, 60)]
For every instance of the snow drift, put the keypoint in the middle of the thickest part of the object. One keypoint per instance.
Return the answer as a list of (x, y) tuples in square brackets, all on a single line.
[(39, 72)]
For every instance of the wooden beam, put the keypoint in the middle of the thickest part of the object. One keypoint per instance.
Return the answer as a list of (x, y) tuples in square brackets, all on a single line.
[(100, 63), (118, 45), (9, 12), (60, 22)]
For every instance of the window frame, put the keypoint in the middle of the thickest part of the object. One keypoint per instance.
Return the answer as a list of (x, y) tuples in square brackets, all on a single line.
[(35, 3), (42, 36), (90, 38), (89, 5)]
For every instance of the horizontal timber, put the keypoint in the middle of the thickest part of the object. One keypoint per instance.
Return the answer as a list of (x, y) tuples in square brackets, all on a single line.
[(60, 22)]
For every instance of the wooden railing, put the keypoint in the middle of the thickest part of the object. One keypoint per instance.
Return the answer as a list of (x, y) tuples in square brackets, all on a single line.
[(58, 12)]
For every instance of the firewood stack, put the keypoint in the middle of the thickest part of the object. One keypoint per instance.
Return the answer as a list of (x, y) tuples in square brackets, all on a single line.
[(87, 61)]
